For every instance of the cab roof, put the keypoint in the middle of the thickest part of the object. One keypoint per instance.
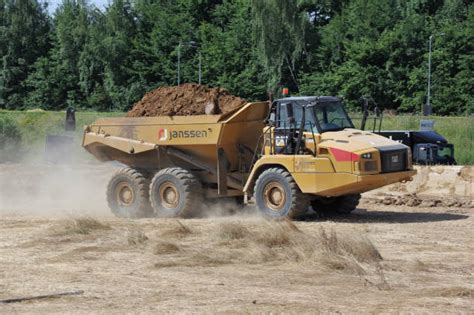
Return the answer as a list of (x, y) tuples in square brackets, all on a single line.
[(310, 98)]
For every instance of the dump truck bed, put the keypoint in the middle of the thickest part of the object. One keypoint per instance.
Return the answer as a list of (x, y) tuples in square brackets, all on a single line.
[(202, 141)]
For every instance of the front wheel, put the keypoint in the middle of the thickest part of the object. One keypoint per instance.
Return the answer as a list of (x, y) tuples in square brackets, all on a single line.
[(278, 196)]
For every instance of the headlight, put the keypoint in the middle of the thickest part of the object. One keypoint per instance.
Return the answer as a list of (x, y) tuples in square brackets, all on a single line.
[(367, 156)]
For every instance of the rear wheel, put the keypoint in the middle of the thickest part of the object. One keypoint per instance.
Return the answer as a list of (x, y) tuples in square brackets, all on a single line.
[(340, 205), (127, 194), (277, 195), (175, 192)]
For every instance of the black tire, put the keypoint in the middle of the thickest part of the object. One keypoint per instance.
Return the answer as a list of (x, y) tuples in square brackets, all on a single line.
[(278, 196), (336, 205), (127, 194), (181, 187)]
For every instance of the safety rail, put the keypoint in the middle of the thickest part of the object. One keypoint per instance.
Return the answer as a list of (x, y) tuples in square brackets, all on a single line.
[(269, 139)]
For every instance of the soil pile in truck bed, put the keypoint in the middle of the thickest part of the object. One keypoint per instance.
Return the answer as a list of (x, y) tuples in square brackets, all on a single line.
[(186, 99)]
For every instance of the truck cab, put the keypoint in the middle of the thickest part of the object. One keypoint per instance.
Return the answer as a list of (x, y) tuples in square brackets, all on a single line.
[(325, 113), (313, 142), (311, 115), (434, 154)]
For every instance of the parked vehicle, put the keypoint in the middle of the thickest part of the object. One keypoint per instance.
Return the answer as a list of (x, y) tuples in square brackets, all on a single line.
[(428, 147)]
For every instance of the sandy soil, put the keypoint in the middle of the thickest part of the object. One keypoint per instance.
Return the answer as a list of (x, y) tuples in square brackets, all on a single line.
[(381, 258)]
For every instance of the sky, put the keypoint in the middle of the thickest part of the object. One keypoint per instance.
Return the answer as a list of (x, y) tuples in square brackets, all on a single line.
[(53, 4)]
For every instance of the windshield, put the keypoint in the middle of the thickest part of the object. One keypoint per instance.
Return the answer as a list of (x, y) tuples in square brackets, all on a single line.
[(319, 117), (444, 152), (331, 116)]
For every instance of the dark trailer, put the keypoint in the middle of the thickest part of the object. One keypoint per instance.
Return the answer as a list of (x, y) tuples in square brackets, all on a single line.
[(428, 147)]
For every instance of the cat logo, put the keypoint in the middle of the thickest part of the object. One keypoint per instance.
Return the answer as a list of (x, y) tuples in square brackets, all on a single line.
[(163, 134)]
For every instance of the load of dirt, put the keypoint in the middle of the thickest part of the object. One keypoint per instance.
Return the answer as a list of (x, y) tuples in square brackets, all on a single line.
[(184, 100)]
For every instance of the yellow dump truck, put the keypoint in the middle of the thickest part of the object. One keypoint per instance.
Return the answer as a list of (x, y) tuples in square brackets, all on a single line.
[(285, 156)]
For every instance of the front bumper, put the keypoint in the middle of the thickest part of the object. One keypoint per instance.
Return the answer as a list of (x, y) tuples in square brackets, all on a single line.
[(369, 182), (340, 184)]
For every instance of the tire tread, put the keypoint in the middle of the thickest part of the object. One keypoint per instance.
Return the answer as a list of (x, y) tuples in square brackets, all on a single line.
[(299, 201), (192, 186)]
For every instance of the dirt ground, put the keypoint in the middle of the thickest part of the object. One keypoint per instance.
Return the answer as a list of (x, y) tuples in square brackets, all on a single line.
[(56, 235)]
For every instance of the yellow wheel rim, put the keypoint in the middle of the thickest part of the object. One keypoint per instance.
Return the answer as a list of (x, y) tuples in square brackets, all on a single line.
[(274, 196), (169, 195), (124, 194)]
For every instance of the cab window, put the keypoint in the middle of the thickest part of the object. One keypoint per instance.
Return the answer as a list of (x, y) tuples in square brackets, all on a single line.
[(282, 116), (297, 115)]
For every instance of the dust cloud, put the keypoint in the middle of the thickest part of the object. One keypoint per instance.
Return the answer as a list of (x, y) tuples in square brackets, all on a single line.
[(34, 187), (43, 189), (31, 186)]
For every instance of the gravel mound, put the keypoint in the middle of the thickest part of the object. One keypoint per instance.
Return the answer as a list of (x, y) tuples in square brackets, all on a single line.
[(184, 100)]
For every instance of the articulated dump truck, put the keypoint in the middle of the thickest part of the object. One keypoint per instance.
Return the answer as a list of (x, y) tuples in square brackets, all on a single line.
[(284, 157)]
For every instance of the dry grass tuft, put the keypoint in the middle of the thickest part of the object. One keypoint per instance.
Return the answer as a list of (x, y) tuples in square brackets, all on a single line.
[(235, 242), (269, 241), (177, 230), (418, 266), (287, 223), (341, 263), (258, 253), (232, 231), (269, 234), (136, 237), (165, 248), (450, 292), (277, 234), (357, 246), (277, 237), (456, 292), (83, 226), (213, 258), (347, 252)]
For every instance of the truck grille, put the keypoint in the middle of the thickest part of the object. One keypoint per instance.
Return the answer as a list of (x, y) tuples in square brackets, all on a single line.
[(370, 166), (393, 159)]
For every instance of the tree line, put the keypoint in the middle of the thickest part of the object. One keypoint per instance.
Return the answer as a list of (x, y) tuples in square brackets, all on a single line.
[(107, 58)]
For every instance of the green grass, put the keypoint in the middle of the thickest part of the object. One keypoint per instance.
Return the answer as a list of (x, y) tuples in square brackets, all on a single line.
[(35, 125)]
